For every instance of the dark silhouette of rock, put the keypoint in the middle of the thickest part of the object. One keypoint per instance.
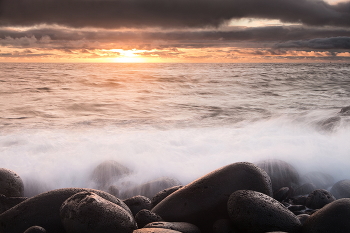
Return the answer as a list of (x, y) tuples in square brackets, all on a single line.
[(204, 200), (345, 110), (319, 198), (333, 217), (319, 179), (341, 189), (144, 217), (155, 230), (282, 174), (9, 202), (183, 227), (138, 203), (302, 218), (163, 194), (306, 188), (107, 172), (11, 185), (282, 194), (35, 229), (87, 212), (44, 210), (223, 226), (150, 188), (251, 211)]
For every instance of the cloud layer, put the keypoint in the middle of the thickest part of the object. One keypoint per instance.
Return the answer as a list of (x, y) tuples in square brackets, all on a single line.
[(167, 13)]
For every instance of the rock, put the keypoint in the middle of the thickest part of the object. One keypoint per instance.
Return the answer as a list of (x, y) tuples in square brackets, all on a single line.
[(44, 210), (333, 217), (87, 212), (251, 211), (300, 200), (295, 208), (35, 229), (341, 189), (143, 217), (155, 230), (345, 110), (163, 194), (282, 174), (319, 179), (107, 172), (302, 218), (151, 188), (138, 203), (223, 226), (204, 200), (11, 185), (282, 194), (113, 190), (304, 189), (319, 198), (183, 227), (9, 202)]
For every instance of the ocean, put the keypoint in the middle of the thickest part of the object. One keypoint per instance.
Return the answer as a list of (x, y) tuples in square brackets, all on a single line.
[(59, 121)]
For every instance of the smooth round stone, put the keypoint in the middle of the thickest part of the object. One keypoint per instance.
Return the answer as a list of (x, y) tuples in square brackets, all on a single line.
[(319, 198), (35, 229), (333, 217), (151, 188), (251, 211), (319, 179), (144, 217), (9, 202), (302, 218), (282, 194), (44, 210), (282, 174), (155, 230), (87, 212), (306, 188), (183, 227), (204, 200), (11, 185), (138, 203), (223, 226), (163, 194), (341, 189), (109, 171)]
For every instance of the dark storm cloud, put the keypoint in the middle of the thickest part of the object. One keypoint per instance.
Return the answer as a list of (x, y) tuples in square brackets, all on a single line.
[(318, 43), (167, 13)]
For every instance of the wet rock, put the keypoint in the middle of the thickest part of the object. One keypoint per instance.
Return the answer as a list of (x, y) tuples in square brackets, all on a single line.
[(35, 229), (87, 212), (295, 208), (9, 202), (155, 230), (319, 198), (302, 218), (183, 227), (281, 194), (43, 210), (11, 185), (300, 200), (345, 110), (256, 212), (204, 200), (144, 217), (333, 217), (306, 188), (282, 174), (163, 194), (319, 179), (107, 172), (138, 203), (223, 226), (151, 188), (341, 189), (113, 190)]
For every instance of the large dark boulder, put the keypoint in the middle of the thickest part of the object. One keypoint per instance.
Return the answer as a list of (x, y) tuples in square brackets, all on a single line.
[(9, 202), (150, 188), (333, 217), (155, 230), (89, 213), (144, 217), (163, 194), (254, 212), (183, 227), (319, 198), (108, 172), (44, 210), (319, 179), (282, 174), (138, 203), (204, 200), (11, 185), (341, 189)]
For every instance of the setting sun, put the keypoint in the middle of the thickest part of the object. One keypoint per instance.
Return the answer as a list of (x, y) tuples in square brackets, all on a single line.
[(128, 56)]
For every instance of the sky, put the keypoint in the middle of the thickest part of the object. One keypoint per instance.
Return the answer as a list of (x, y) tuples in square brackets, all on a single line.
[(174, 31)]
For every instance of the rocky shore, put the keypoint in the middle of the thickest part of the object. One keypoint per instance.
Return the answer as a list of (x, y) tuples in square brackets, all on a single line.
[(267, 196)]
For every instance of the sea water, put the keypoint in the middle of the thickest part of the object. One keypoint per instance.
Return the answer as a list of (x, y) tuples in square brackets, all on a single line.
[(59, 121)]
